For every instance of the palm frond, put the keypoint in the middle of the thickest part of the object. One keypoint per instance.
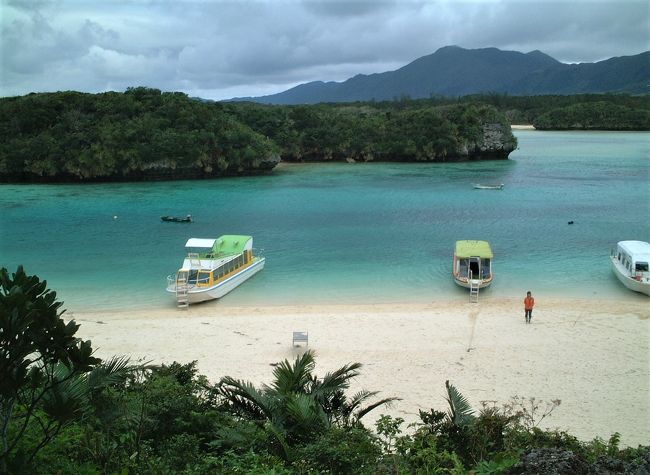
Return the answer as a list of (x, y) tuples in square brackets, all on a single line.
[(281, 441), (244, 399), (386, 401), (460, 412), (305, 415), (294, 377), (67, 397), (339, 379), (111, 372)]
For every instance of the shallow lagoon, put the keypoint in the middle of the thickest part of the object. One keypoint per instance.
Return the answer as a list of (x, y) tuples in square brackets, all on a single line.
[(360, 233)]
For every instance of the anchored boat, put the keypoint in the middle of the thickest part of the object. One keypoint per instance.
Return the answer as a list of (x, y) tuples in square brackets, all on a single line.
[(175, 219), (478, 186), (630, 261), (214, 267), (472, 266)]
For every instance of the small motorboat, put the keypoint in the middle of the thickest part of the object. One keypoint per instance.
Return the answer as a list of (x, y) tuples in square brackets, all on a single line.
[(174, 219), (478, 186)]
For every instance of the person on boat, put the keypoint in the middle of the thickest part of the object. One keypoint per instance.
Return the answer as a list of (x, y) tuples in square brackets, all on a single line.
[(529, 303)]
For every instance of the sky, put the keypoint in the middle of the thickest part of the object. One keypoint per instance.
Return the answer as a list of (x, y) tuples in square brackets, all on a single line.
[(219, 49)]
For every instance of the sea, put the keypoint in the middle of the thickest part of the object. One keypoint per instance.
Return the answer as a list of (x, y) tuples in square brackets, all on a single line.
[(357, 233)]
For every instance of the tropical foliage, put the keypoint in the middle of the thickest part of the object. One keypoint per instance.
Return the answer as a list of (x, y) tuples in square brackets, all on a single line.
[(47, 375), (298, 407), (395, 131), (139, 134), (146, 134), (579, 112), (65, 412)]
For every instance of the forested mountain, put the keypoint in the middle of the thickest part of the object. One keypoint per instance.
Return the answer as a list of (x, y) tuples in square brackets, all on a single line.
[(454, 71)]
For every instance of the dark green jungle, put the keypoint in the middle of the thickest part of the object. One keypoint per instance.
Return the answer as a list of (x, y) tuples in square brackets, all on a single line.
[(65, 411), (146, 134)]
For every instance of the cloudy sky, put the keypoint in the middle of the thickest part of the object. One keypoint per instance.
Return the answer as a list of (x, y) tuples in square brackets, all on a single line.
[(220, 49)]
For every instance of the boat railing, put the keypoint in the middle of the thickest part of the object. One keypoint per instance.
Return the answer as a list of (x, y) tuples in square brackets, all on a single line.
[(174, 281)]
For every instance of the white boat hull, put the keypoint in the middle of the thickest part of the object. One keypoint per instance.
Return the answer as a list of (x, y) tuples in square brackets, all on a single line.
[(482, 283), (488, 187), (203, 294), (642, 286)]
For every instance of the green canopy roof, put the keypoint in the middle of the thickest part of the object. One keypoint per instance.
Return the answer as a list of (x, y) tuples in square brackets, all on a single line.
[(230, 244), (480, 249)]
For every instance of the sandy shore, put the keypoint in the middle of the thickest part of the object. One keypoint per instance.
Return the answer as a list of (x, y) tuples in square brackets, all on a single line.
[(522, 127), (592, 355)]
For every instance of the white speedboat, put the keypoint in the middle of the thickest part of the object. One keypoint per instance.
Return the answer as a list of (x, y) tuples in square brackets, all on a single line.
[(630, 261), (213, 267), (472, 266), (478, 186)]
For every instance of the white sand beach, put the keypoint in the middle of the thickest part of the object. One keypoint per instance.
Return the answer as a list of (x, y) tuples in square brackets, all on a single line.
[(592, 355), (522, 127)]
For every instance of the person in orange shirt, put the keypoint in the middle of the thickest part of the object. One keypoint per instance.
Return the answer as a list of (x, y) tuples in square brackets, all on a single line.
[(529, 303)]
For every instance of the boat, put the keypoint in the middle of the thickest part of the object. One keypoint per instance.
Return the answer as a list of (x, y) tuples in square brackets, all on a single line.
[(174, 219), (630, 261), (478, 186), (472, 266), (214, 267)]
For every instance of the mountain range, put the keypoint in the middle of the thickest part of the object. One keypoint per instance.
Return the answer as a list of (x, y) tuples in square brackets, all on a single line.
[(455, 71)]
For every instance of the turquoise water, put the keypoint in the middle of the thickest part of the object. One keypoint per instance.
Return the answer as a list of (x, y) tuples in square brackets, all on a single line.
[(361, 233)]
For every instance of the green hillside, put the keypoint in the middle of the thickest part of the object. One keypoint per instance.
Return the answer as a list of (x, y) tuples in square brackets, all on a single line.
[(144, 134)]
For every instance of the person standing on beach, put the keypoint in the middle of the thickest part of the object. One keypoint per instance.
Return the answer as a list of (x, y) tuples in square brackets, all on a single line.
[(529, 303)]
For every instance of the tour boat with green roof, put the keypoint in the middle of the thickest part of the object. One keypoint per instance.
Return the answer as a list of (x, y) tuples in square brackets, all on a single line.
[(213, 267), (472, 267)]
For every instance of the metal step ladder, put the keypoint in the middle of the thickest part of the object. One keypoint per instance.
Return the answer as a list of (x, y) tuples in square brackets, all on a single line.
[(473, 290), (182, 287)]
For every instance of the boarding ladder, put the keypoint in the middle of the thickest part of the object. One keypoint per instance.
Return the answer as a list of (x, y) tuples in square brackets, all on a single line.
[(473, 288), (182, 287)]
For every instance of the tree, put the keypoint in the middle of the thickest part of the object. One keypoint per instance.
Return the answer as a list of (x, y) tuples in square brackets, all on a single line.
[(298, 406), (46, 373)]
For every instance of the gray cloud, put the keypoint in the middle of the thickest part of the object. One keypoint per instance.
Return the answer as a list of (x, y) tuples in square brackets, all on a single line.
[(219, 49)]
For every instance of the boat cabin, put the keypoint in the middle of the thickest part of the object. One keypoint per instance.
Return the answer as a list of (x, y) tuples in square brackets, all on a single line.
[(209, 261), (473, 260), (634, 256)]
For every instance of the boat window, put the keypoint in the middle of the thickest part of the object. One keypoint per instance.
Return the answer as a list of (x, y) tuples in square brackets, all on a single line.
[(485, 268), (462, 268), (204, 277), (641, 267)]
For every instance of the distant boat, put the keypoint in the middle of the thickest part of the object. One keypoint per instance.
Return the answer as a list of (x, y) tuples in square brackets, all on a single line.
[(478, 186), (630, 261), (213, 267), (472, 266), (174, 219)]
